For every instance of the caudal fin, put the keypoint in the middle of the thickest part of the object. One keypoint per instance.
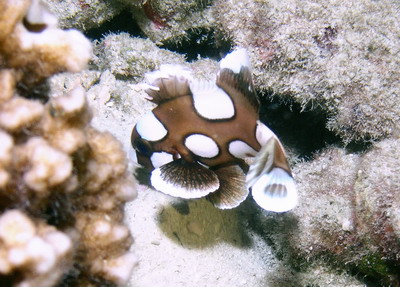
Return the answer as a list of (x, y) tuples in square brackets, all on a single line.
[(270, 179)]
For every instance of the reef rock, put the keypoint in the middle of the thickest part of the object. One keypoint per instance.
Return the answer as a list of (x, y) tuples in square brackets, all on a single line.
[(172, 20), (341, 57), (82, 14), (349, 215), (131, 57)]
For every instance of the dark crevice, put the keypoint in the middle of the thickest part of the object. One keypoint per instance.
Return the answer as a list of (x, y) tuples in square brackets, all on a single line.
[(38, 91), (60, 211), (123, 22), (359, 146), (200, 43), (12, 279), (386, 275), (71, 278), (303, 131)]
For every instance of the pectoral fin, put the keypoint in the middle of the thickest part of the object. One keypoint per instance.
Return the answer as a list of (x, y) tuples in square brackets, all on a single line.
[(184, 179)]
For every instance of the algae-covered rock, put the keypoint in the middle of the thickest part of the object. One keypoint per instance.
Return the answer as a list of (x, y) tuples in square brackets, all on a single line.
[(84, 14), (172, 20), (349, 215), (131, 57), (341, 57)]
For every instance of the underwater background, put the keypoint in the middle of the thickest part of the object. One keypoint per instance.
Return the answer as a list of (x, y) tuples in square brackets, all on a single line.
[(327, 76)]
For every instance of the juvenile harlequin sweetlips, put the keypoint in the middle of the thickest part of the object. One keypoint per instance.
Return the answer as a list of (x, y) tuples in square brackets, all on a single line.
[(196, 139)]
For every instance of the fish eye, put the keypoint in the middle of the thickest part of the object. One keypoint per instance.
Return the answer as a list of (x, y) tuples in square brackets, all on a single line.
[(143, 146)]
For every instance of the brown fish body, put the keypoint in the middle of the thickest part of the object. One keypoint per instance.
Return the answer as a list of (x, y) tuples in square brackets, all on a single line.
[(181, 120)]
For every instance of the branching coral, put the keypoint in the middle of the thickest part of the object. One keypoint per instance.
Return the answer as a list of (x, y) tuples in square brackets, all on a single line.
[(31, 43), (62, 183), (38, 251)]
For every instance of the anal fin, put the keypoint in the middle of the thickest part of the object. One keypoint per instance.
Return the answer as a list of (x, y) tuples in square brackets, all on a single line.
[(184, 179), (232, 190)]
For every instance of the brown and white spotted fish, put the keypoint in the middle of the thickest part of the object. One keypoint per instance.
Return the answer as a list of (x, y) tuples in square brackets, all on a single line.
[(196, 139)]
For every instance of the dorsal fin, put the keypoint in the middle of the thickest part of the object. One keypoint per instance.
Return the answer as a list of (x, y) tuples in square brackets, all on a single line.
[(169, 82), (164, 89), (235, 77), (241, 82)]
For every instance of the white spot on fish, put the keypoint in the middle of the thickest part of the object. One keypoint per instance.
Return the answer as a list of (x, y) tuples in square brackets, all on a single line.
[(150, 128), (240, 149), (211, 102), (202, 145), (160, 158), (263, 133)]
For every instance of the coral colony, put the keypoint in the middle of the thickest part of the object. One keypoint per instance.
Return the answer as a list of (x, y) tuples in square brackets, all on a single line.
[(62, 183), (198, 136)]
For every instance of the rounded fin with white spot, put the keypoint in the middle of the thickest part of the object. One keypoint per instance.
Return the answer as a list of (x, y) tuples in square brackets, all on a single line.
[(270, 178), (275, 191), (184, 179), (232, 190), (262, 163)]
